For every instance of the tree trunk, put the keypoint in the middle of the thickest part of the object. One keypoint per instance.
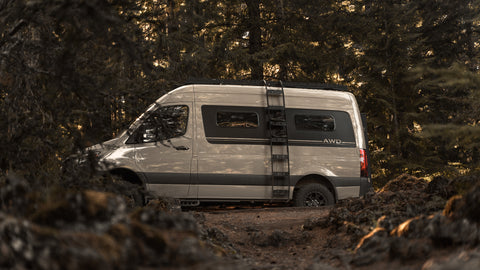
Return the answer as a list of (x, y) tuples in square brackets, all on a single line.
[(255, 39)]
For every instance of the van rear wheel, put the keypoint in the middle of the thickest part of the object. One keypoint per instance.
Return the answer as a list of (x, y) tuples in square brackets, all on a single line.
[(313, 195)]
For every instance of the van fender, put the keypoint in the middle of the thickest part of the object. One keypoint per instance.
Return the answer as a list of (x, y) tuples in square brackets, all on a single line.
[(129, 175), (318, 179)]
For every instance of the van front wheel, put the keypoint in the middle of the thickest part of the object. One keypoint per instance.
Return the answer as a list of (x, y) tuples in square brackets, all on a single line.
[(313, 195)]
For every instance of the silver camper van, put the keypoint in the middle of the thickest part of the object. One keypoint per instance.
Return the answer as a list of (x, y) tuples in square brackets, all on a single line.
[(251, 142)]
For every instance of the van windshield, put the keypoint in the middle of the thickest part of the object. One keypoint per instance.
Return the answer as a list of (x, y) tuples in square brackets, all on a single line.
[(165, 123), (153, 107)]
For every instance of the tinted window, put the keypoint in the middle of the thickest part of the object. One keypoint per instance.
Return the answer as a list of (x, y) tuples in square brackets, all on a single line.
[(315, 122), (320, 127), (237, 119), (165, 123), (241, 124), (306, 127)]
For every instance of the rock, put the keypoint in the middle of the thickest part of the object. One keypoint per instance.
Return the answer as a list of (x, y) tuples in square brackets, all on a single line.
[(386, 209), (409, 249), (464, 232), (436, 230), (434, 203), (388, 223), (412, 228), (364, 216), (85, 210), (278, 238), (405, 182), (190, 252), (321, 266), (217, 235), (337, 257), (463, 184), (92, 230), (354, 230), (313, 222), (303, 238), (180, 221), (466, 206), (373, 247), (165, 204), (452, 207), (275, 239), (465, 260), (16, 196), (337, 215), (446, 232), (440, 186), (29, 246), (219, 242)]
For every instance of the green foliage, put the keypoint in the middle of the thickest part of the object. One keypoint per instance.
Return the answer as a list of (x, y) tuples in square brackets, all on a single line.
[(66, 69), (76, 73), (419, 68)]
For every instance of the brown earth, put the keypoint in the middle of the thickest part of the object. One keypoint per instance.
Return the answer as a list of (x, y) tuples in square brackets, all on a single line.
[(280, 238), (269, 238), (403, 226), (409, 224)]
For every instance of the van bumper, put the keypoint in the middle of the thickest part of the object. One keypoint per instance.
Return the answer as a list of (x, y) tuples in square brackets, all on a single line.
[(365, 185)]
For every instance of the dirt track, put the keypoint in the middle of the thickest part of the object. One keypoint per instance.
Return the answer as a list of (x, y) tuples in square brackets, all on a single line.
[(265, 218), (271, 238)]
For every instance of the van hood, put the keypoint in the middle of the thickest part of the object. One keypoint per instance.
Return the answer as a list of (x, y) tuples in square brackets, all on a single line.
[(104, 148)]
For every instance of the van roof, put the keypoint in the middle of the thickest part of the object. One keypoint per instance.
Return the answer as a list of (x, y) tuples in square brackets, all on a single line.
[(245, 90), (248, 94), (303, 85)]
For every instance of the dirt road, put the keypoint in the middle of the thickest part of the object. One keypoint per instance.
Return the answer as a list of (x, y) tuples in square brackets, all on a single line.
[(270, 238)]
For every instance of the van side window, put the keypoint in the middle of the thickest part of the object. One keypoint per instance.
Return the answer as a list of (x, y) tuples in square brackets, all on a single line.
[(165, 123), (315, 122), (237, 119)]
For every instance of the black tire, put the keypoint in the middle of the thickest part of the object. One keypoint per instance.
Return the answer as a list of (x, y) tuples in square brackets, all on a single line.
[(313, 195)]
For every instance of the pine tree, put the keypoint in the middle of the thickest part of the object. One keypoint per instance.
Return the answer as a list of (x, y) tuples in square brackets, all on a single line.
[(65, 69), (447, 81)]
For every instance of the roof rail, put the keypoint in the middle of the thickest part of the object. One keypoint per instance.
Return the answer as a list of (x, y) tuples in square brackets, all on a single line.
[(306, 85)]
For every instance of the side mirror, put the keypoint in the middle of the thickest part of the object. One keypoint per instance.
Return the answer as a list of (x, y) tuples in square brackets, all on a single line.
[(143, 135), (149, 135)]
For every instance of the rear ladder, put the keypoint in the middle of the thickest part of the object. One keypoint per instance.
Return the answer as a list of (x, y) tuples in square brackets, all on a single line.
[(278, 136)]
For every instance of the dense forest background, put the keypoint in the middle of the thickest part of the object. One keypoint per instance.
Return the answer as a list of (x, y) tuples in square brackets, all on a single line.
[(75, 73)]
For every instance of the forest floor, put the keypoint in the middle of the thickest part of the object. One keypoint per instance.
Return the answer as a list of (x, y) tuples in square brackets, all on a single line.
[(408, 224), (402, 226), (272, 237), (277, 238)]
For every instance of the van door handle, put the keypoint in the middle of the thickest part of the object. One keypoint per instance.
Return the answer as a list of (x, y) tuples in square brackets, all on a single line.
[(184, 148)]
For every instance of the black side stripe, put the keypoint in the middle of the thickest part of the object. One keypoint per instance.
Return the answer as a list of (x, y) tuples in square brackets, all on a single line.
[(322, 143), (235, 179)]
